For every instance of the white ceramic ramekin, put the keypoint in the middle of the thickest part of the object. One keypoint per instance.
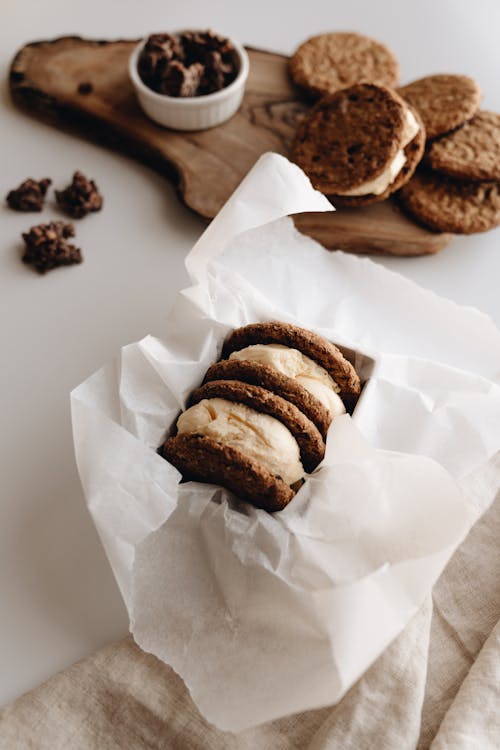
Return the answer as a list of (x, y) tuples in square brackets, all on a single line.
[(191, 112)]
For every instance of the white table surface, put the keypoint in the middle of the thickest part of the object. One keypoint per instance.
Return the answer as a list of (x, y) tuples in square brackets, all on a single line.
[(58, 598)]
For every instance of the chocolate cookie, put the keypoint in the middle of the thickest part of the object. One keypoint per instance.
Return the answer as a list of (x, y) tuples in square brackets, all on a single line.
[(203, 459), (329, 62), (472, 152), (351, 138), (267, 377), (413, 152), (444, 101), (317, 348), (448, 205), (307, 435)]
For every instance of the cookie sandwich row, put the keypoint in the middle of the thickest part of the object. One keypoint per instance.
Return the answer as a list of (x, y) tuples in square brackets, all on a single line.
[(258, 423)]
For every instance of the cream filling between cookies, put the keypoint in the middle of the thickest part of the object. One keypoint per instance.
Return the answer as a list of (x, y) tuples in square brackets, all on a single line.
[(382, 182), (259, 436), (303, 369)]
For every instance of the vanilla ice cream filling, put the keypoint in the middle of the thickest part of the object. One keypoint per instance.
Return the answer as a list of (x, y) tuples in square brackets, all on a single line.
[(382, 182), (259, 436), (298, 366)]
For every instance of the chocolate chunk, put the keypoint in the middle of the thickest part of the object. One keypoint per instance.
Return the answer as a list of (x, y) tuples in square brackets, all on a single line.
[(47, 246), (80, 197), (182, 81), (159, 50), (217, 74), (194, 63), (198, 44), (29, 196)]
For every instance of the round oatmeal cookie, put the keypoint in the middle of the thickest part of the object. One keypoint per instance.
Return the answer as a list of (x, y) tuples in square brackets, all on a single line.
[(317, 348), (472, 152), (311, 444), (448, 205), (267, 377), (444, 101), (203, 459), (350, 137), (329, 62)]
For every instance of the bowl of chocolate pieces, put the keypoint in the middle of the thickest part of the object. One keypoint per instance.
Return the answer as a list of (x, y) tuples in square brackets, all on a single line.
[(189, 80)]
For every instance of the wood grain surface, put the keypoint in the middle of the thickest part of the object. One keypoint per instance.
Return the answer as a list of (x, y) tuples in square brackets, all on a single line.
[(46, 79)]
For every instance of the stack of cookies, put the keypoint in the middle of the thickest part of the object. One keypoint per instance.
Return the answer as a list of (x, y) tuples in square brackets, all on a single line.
[(363, 139), (457, 189), (259, 422)]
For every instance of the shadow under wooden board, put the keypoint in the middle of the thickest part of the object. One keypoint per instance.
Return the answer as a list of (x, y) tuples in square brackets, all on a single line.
[(83, 85)]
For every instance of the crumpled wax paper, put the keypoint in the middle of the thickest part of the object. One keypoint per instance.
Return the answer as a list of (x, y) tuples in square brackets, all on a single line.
[(264, 615)]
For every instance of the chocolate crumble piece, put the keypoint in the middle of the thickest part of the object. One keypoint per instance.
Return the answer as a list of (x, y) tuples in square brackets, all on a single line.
[(218, 73), (191, 64), (158, 51), (29, 196), (47, 246), (198, 44), (182, 81), (80, 197)]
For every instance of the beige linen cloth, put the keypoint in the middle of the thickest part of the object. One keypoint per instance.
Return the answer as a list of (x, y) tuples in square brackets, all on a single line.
[(437, 686)]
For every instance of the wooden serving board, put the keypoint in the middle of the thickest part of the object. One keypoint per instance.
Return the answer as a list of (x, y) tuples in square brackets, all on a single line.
[(46, 79)]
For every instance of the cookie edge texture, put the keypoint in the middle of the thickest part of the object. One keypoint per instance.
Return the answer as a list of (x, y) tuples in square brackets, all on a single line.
[(414, 200), (316, 347), (302, 81), (203, 459)]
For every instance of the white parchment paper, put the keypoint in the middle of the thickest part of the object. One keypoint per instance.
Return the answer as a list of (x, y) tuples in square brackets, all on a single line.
[(264, 615)]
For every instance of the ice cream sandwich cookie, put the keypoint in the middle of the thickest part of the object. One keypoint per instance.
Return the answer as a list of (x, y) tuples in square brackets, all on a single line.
[(259, 421), (264, 402), (264, 375), (315, 348), (205, 459), (448, 205), (329, 62), (252, 437), (360, 144), (470, 153), (444, 102)]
